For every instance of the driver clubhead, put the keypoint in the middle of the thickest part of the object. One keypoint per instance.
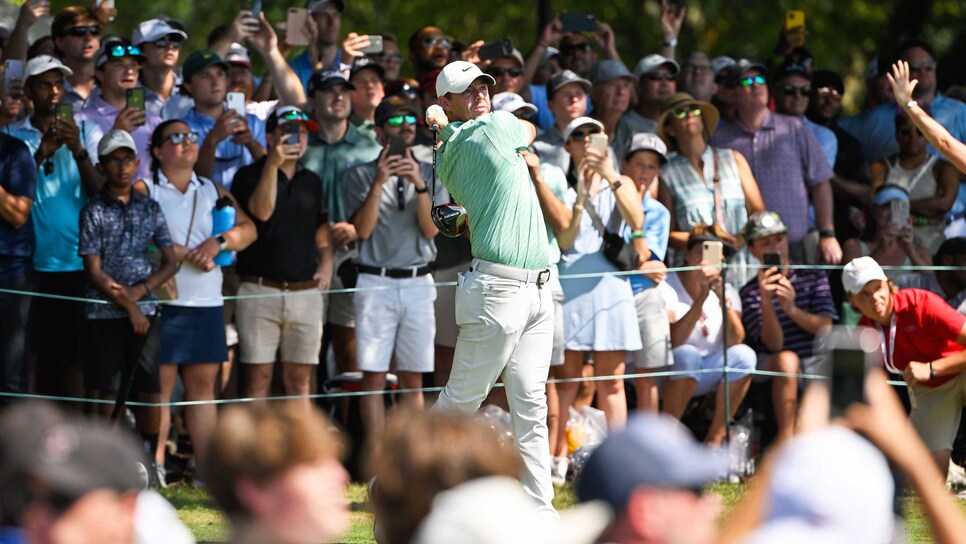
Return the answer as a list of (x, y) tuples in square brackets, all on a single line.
[(450, 219)]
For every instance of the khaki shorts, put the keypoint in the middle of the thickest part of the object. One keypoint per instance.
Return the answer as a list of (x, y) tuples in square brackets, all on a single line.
[(288, 323), (655, 327), (341, 309), (938, 411)]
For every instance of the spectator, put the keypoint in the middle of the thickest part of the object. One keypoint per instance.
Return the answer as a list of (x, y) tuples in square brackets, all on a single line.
[(792, 85), (782, 310), (786, 161), (76, 33), (705, 184), (116, 227), (292, 253), (421, 454), (390, 59), (515, 104), (612, 91), (65, 177), (291, 488), (337, 146), (599, 315), (893, 245), (950, 284), (118, 64), (924, 343), (567, 96), (698, 337), (724, 97), (643, 162), (15, 46), (389, 203), (697, 77), (230, 141), (429, 51), (193, 342), (323, 52), (160, 44), (850, 185), (576, 53), (652, 474), (366, 78), (18, 190), (655, 85), (931, 183), (509, 74)]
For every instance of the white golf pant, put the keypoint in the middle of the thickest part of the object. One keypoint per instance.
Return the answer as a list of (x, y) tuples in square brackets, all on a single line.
[(506, 329)]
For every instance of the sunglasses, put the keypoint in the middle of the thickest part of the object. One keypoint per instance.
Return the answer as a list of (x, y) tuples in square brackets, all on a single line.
[(683, 113), (81, 31), (581, 136), (120, 50), (926, 66), (828, 92), (397, 58), (179, 138), (294, 115), (450, 219), (570, 49), (513, 72), (752, 80), (908, 131), (430, 42), (397, 120), (789, 90), (165, 43), (661, 76)]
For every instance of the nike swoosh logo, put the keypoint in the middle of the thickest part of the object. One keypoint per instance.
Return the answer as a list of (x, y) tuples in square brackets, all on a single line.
[(467, 69)]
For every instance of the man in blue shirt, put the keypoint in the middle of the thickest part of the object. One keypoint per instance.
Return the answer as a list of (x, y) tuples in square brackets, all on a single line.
[(325, 53)]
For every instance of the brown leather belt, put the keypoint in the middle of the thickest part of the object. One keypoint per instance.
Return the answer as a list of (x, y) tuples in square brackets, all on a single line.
[(282, 285)]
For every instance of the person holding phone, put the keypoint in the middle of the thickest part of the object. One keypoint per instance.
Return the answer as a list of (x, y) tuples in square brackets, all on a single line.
[(161, 45), (699, 330), (366, 76), (782, 309), (389, 203), (924, 339)]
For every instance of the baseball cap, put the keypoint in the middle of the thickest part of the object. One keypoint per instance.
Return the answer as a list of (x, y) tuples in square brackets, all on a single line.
[(153, 30), (888, 193), (456, 76), (316, 6), (289, 114), (791, 68), (512, 102), (654, 61), (117, 48), (721, 62), (392, 106), (764, 223), (565, 77), (45, 63), (365, 63), (828, 78), (200, 61), (740, 68), (114, 140), (647, 141), (238, 54), (326, 79), (860, 271), (608, 70), (496, 510), (653, 450), (579, 122)]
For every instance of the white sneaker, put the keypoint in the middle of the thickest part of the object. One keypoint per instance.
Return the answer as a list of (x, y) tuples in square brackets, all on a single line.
[(558, 470), (955, 477)]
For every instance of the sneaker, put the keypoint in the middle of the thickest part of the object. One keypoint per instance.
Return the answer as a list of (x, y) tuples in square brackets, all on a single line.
[(955, 477), (143, 476), (558, 470), (162, 475)]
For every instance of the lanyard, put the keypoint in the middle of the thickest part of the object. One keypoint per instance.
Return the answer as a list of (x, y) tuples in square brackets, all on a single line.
[(888, 356)]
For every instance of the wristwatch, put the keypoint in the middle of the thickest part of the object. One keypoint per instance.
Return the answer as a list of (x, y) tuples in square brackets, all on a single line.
[(222, 242), (826, 233), (673, 42)]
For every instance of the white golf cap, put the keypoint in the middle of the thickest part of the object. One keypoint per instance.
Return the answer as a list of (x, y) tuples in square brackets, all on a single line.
[(45, 63), (512, 102), (114, 140), (579, 122), (457, 76), (153, 30), (647, 141), (860, 271)]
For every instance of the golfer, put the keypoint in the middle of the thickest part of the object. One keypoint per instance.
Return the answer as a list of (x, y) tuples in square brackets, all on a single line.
[(503, 309)]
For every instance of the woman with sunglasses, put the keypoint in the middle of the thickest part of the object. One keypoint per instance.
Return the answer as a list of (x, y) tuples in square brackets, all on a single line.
[(600, 319), (931, 182), (704, 184), (192, 326)]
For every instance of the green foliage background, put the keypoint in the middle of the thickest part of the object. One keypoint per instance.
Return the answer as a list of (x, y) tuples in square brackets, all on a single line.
[(842, 34)]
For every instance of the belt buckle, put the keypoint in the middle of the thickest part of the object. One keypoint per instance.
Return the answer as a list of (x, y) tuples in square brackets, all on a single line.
[(543, 277)]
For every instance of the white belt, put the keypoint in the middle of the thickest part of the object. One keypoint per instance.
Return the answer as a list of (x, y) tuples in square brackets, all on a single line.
[(539, 277)]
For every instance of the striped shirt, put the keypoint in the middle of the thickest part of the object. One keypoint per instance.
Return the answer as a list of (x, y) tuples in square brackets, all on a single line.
[(812, 294)]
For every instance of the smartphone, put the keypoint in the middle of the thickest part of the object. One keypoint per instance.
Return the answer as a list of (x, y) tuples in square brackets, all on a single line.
[(254, 6), (900, 212), (598, 142), (236, 101), (772, 258), (295, 27), (135, 98), (291, 133), (794, 18), (13, 77), (496, 49), (375, 45), (578, 21), (712, 252), (64, 111), (845, 357), (397, 145)]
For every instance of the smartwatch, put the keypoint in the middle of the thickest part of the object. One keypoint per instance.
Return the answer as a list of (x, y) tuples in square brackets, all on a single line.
[(222, 242)]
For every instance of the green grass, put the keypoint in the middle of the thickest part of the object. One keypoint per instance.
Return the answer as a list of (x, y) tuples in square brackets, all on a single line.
[(208, 525)]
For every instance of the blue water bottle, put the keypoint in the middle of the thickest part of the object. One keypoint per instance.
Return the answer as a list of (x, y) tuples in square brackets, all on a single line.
[(223, 219)]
